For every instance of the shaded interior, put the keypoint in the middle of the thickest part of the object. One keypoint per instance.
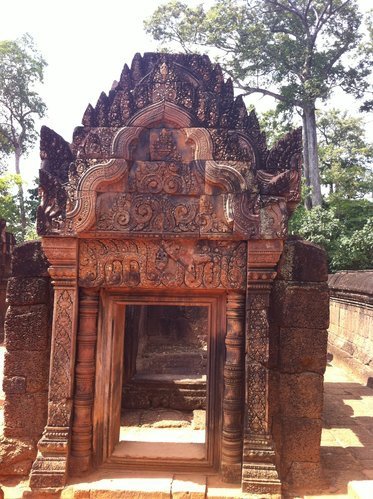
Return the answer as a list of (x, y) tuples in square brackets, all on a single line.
[(164, 399)]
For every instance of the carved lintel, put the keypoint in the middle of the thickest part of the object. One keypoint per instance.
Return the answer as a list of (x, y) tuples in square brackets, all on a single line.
[(162, 264), (259, 473), (50, 466), (231, 462), (81, 442)]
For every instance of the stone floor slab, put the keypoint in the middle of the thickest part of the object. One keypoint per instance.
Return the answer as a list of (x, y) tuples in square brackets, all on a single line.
[(188, 487), (360, 489)]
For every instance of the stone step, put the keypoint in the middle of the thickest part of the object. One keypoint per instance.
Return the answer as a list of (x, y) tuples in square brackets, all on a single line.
[(155, 486)]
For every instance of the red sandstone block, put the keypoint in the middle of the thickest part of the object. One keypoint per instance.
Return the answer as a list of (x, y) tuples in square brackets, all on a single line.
[(27, 328), (302, 261), (25, 415), (34, 366), (301, 440), (301, 395), (14, 384), (28, 290), (303, 350), (304, 478), (300, 306), (28, 259), (16, 456)]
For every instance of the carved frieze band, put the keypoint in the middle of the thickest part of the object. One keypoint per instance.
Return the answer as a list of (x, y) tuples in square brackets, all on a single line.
[(171, 264)]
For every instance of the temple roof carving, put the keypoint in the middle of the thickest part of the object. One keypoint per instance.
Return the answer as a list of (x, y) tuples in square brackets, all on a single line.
[(169, 151)]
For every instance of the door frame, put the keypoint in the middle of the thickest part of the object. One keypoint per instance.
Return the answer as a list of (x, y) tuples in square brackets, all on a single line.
[(109, 374)]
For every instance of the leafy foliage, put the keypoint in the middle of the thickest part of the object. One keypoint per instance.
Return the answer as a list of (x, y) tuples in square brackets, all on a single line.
[(9, 207), (293, 51), (276, 124), (21, 71), (348, 240), (297, 46), (346, 158), (21, 68)]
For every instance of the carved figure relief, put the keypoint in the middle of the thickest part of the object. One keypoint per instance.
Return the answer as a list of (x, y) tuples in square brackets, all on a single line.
[(152, 264)]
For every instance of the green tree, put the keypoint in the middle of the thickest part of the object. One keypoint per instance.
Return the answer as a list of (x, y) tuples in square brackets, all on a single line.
[(276, 124), (346, 158), (348, 241), (21, 70), (9, 208), (291, 50), (367, 50)]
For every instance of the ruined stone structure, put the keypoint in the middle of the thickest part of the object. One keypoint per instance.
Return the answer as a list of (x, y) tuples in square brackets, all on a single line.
[(26, 364), (168, 195), (351, 322), (7, 242)]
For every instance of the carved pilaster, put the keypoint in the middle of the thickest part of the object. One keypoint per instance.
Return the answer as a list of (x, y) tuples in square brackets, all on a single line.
[(259, 474), (50, 467), (81, 442), (231, 461)]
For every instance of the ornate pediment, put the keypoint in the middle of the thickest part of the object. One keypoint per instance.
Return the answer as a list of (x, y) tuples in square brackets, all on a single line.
[(169, 152)]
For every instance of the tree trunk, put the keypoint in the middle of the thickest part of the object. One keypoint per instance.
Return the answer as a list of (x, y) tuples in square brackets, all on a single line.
[(311, 159), (21, 197), (306, 168)]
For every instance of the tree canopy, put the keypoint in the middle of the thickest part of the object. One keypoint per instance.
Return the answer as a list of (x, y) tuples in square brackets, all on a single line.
[(346, 157), (292, 50), (21, 71)]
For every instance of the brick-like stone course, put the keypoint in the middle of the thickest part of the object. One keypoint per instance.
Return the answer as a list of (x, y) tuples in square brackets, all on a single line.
[(351, 322), (26, 363), (299, 321), (7, 242)]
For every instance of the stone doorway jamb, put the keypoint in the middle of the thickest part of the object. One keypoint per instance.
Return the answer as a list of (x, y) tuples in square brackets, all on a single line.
[(259, 473), (50, 467)]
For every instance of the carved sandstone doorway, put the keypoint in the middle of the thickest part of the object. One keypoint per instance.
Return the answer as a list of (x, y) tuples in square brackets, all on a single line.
[(108, 447), (168, 190)]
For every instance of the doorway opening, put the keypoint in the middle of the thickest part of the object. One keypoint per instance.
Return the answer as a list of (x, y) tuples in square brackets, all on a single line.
[(158, 382), (164, 396)]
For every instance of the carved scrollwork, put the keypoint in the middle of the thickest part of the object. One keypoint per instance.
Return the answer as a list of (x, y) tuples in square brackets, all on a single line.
[(160, 177)]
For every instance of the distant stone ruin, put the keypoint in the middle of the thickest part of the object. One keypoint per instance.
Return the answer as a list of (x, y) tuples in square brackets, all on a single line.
[(169, 208), (7, 242)]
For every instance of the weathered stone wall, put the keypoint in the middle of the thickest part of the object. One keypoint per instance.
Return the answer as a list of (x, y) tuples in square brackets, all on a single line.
[(26, 364), (351, 322), (299, 321), (7, 243)]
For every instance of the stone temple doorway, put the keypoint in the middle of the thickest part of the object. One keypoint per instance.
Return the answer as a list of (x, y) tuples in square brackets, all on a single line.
[(157, 401), (168, 196)]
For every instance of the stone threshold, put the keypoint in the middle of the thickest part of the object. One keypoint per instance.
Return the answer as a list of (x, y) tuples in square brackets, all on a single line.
[(107, 484)]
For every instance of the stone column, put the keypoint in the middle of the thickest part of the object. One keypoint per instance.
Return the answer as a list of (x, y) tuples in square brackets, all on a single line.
[(231, 461), (259, 474), (81, 443), (50, 467)]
